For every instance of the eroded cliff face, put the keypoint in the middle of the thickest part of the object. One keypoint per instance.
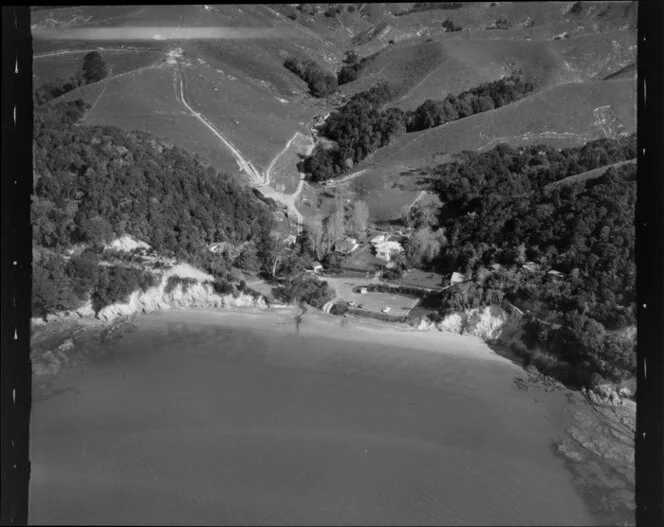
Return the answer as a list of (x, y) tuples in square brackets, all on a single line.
[(491, 324), (200, 294)]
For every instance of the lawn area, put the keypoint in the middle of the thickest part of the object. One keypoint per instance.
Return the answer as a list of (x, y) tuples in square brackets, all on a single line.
[(374, 301), (419, 278), (250, 116), (399, 304)]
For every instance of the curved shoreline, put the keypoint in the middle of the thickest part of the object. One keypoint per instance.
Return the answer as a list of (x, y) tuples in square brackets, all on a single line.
[(592, 462)]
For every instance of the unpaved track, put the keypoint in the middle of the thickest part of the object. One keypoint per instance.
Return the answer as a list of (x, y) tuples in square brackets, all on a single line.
[(290, 200), (71, 51), (254, 176)]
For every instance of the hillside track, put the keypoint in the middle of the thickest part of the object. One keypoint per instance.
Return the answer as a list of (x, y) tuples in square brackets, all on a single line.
[(72, 51), (290, 200), (348, 178), (254, 175)]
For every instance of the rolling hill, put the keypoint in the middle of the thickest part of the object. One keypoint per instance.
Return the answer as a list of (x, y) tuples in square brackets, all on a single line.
[(228, 98), (562, 116)]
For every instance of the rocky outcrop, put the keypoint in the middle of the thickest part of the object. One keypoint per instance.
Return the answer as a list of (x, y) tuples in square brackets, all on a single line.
[(198, 295), (491, 324), (605, 394)]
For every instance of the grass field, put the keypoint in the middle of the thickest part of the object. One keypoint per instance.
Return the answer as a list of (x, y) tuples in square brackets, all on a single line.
[(252, 118), (146, 101), (345, 289)]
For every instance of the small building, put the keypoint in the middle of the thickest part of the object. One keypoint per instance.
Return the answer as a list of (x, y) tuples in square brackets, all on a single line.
[(317, 267), (555, 274), (457, 278), (363, 290)]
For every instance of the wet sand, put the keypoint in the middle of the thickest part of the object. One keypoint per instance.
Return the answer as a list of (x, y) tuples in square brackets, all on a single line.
[(203, 417)]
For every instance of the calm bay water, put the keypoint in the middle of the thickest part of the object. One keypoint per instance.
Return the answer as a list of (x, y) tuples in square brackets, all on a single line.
[(189, 420)]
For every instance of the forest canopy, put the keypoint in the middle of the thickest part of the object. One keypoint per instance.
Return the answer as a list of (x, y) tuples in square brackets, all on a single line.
[(96, 183)]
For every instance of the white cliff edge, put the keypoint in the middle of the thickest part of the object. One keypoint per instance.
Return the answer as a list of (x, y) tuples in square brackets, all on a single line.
[(200, 294)]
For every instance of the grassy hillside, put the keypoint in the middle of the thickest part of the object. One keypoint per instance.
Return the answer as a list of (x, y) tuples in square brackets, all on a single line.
[(452, 64), (561, 116)]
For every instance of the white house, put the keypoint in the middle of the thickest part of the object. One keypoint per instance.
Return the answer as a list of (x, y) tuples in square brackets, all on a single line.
[(316, 267), (386, 250)]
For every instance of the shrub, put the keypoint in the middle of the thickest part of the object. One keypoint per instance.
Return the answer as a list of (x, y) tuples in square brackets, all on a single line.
[(320, 82), (305, 288), (222, 287), (116, 284), (174, 281), (340, 308)]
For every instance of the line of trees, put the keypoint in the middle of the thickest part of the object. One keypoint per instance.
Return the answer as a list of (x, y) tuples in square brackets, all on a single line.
[(361, 126), (476, 100), (92, 70), (321, 83)]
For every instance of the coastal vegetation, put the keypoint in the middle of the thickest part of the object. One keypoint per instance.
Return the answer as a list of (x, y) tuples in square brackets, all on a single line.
[(563, 254), (304, 288), (95, 183)]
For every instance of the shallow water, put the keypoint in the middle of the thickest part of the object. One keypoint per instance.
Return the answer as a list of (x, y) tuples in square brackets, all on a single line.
[(200, 422)]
